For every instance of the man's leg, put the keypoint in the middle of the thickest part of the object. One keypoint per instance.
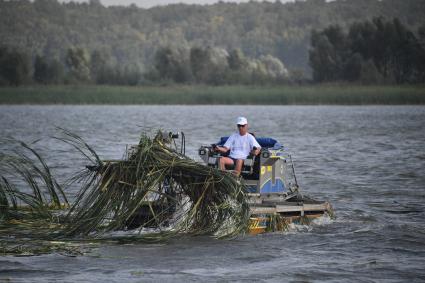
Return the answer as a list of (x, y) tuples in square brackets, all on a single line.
[(225, 161), (238, 166)]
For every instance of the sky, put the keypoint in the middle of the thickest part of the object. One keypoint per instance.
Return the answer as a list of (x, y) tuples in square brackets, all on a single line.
[(151, 3)]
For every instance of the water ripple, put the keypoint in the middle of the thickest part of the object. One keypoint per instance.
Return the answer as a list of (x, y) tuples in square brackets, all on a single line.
[(369, 162)]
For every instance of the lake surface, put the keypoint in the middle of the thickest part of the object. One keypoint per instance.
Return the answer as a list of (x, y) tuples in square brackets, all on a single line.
[(368, 161)]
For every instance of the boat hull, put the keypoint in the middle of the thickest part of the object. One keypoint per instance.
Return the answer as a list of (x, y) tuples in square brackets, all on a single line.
[(270, 213)]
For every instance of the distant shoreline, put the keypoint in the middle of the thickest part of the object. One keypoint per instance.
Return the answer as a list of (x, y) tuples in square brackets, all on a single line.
[(325, 94)]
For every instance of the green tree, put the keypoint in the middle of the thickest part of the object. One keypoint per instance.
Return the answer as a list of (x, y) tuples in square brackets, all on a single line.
[(393, 49), (353, 67), (172, 64), (274, 67), (100, 65), (209, 65), (48, 71), (369, 74), (56, 71), (238, 68), (199, 61), (14, 67), (421, 60), (237, 60), (41, 70), (78, 63), (327, 54)]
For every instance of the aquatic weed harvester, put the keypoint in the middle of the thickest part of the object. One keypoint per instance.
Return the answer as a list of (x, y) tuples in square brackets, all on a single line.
[(154, 192), (272, 189)]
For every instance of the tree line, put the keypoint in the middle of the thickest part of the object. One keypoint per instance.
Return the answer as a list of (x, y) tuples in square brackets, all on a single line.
[(216, 66), (210, 65), (78, 67), (369, 52), (131, 36), (376, 51)]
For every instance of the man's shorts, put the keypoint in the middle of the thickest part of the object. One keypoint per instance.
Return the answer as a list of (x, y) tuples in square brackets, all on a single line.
[(234, 160)]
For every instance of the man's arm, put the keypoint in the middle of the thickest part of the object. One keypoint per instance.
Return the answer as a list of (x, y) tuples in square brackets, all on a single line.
[(225, 147), (256, 148), (221, 149)]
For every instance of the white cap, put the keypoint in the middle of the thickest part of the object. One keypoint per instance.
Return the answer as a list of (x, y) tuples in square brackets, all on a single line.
[(241, 121)]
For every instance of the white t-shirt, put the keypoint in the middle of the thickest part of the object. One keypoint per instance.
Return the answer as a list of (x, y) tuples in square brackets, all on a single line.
[(240, 146)]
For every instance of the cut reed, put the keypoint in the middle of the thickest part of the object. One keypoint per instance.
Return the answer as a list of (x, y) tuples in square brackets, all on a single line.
[(156, 192)]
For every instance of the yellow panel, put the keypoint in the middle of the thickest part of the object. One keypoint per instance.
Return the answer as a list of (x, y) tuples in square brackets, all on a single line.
[(269, 168), (263, 170)]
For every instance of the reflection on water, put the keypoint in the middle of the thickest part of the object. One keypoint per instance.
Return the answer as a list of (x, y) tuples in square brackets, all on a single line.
[(369, 162)]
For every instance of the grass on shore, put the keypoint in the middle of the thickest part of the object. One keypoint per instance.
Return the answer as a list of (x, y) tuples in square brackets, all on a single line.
[(200, 94)]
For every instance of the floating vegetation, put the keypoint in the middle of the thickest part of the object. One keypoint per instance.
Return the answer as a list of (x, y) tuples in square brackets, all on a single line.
[(154, 193)]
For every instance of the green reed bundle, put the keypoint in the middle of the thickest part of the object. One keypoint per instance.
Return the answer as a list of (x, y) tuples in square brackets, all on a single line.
[(162, 189), (33, 210), (155, 189)]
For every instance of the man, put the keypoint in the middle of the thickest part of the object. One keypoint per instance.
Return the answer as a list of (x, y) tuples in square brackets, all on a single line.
[(241, 144)]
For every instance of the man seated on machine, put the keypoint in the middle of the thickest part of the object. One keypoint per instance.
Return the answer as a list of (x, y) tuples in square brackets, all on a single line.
[(241, 144)]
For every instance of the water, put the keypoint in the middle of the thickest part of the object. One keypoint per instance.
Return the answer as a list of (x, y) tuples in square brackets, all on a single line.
[(369, 162)]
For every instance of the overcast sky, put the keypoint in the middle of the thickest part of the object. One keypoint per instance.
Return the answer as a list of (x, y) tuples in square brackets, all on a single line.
[(150, 3)]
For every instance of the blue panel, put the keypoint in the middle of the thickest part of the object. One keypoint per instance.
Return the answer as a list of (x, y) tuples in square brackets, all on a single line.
[(266, 142), (268, 187)]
